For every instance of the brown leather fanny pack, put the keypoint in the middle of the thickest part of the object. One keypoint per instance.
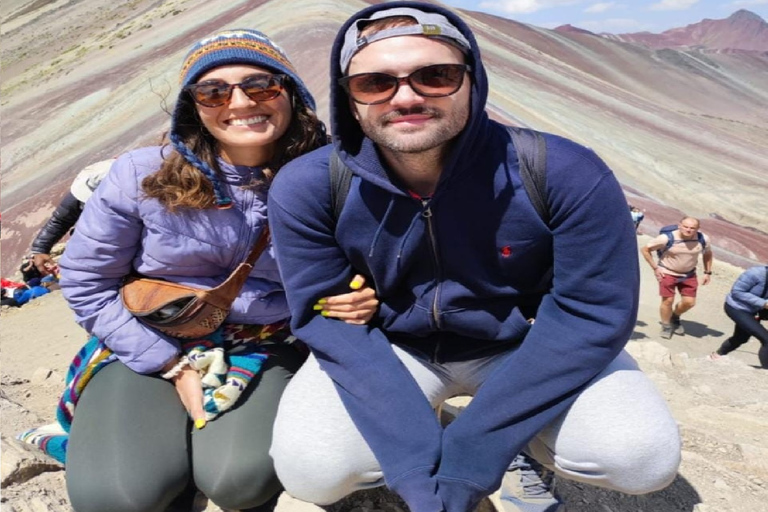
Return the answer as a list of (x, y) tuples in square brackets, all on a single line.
[(184, 311)]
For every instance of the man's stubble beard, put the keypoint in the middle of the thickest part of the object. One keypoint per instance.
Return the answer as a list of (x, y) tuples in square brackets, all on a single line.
[(447, 126)]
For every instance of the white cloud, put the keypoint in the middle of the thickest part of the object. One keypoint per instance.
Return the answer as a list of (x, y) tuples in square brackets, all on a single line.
[(747, 3), (524, 6), (601, 7), (673, 5)]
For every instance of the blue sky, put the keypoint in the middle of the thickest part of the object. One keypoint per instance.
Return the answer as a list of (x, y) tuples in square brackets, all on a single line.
[(618, 16)]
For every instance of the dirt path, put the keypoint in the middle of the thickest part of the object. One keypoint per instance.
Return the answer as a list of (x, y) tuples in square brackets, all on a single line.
[(722, 409)]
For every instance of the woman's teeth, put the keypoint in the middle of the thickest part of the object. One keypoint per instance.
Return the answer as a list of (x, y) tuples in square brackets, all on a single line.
[(248, 121)]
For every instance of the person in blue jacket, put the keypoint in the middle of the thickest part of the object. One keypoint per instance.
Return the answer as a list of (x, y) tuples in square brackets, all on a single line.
[(477, 294), (747, 306)]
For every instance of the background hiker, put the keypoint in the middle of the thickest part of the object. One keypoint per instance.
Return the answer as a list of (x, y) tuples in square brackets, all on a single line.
[(65, 215), (189, 212), (678, 252), (747, 306), (637, 216), (437, 216)]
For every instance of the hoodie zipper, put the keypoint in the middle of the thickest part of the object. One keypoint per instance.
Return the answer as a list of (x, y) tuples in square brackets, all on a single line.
[(427, 214)]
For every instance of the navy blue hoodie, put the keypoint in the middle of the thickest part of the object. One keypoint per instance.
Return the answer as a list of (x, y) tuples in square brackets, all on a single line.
[(457, 276)]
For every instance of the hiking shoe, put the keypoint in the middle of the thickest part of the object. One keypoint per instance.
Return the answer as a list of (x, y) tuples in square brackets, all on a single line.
[(666, 331), (677, 327), (529, 487)]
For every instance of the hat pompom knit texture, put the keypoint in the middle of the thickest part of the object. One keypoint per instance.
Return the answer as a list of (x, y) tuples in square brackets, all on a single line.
[(230, 47)]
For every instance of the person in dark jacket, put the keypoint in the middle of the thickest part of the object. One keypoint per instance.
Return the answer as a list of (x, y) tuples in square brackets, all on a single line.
[(189, 212), (65, 215), (747, 306), (8, 299), (478, 295)]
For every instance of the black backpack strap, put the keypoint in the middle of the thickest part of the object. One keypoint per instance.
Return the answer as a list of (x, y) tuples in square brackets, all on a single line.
[(670, 243), (341, 180), (532, 154)]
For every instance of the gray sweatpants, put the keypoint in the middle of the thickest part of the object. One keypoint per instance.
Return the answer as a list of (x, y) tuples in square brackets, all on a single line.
[(619, 433)]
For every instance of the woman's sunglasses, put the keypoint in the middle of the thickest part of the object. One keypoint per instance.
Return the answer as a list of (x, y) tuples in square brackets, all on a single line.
[(215, 93), (433, 81)]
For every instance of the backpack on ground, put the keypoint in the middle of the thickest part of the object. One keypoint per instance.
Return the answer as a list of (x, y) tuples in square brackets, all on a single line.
[(669, 232), (531, 152)]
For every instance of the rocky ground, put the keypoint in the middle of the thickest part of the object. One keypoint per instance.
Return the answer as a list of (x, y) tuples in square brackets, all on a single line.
[(721, 407)]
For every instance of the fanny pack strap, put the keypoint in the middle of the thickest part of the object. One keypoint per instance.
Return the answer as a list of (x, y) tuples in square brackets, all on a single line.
[(685, 276), (223, 295)]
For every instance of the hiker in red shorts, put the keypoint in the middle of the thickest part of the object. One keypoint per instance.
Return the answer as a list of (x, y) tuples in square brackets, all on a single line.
[(679, 252)]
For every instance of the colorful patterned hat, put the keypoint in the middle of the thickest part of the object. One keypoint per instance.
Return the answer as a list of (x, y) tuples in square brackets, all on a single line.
[(230, 47)]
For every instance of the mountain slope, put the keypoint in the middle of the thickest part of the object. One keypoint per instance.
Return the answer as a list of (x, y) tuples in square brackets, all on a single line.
[(743, 30)]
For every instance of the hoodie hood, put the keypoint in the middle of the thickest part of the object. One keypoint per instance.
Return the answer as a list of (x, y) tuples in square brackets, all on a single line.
[(359, 153)]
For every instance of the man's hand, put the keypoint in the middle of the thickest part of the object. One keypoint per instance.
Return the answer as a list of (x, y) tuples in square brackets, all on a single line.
[(706, 279), (43, 262), (357, 307), (659, 273)]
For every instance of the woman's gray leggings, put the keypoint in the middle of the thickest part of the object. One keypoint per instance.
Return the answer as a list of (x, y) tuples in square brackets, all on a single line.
[(132, 448)]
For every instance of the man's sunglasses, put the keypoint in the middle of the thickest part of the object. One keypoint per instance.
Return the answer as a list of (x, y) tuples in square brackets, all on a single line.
[(215, 93), (433, 81)]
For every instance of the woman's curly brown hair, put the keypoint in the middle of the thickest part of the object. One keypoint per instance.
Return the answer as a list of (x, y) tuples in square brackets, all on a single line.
[(179, 184)]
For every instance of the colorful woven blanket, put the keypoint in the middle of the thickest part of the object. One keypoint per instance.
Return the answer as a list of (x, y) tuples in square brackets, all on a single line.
[(227, 361)]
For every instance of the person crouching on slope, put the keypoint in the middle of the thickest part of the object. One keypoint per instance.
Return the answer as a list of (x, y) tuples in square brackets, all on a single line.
[(189, 212), (438, 217)]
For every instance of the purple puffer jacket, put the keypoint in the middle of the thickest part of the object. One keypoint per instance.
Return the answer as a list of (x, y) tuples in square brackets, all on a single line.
[(120, 230)]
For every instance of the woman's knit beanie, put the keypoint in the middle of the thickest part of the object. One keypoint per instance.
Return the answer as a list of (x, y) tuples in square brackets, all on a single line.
[(230, 47)]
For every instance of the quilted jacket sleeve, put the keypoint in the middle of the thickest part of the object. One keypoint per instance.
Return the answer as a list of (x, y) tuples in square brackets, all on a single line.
[(97, 257)]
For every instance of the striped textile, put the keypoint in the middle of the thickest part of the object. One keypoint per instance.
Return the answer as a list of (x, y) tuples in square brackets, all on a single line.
[(227, 361)]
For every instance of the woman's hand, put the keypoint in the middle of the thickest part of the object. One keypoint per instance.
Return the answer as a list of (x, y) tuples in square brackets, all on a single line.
[(356, 307), (190, 389)]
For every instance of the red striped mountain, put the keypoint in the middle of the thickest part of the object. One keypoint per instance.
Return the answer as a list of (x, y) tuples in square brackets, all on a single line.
[(742, 30)]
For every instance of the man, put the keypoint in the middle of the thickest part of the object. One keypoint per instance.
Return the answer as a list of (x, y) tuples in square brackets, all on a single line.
[(676, 271), (65, 216), (439, 220)]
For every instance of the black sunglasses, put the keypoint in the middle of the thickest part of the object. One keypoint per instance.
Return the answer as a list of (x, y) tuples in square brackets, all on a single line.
[(433, 81), (215, 93)]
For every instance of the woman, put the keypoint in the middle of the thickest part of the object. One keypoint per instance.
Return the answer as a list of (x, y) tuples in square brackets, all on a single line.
[(189, 212), (747, 305)]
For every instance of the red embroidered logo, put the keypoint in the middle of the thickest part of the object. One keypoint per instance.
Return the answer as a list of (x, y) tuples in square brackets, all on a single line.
[(506, 251)]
